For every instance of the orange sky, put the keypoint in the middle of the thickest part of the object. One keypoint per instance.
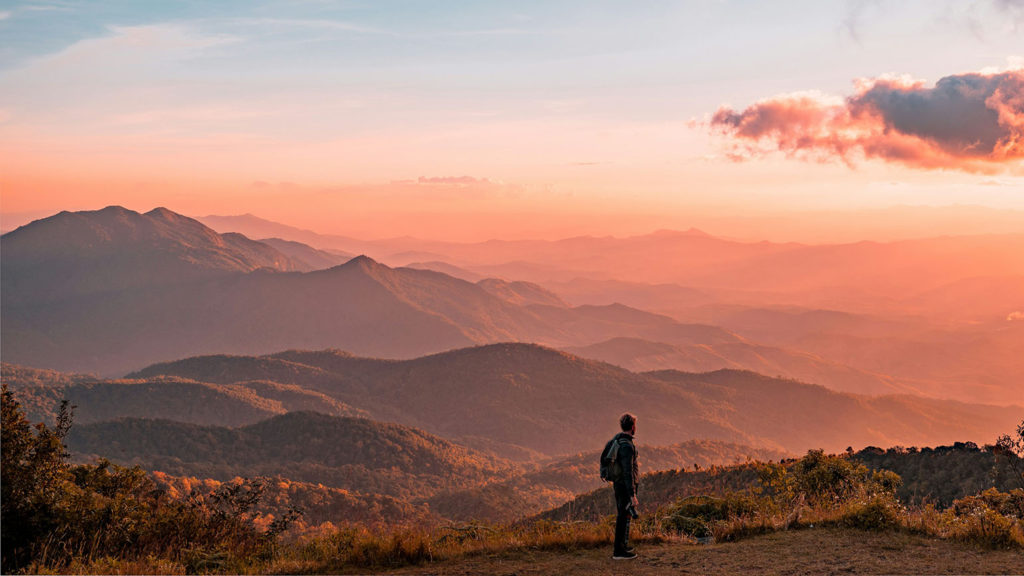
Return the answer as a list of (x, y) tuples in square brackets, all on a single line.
[(522, 120)]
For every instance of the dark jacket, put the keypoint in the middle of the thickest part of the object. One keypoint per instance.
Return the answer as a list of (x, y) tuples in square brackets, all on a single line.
[(627, 458)]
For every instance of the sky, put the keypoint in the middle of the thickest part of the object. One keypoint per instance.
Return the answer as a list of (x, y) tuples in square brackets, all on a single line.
[(466, 120)]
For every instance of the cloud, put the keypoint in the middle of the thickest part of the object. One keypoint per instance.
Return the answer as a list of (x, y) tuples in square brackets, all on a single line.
[(1010, 5), (971, 122), (1018, 315), (456, 180)]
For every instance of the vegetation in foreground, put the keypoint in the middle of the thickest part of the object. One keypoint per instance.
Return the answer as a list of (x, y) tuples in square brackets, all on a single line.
[(101, 518)]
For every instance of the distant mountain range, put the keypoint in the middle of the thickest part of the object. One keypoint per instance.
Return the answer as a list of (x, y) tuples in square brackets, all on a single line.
[(865, 275), (524, 401), (490, 432), (131, 289), (939, 316)]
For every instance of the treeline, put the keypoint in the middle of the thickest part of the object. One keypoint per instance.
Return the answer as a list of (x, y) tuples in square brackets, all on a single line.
[(322, 507), (935, 476), (351, 453), (944, 474)]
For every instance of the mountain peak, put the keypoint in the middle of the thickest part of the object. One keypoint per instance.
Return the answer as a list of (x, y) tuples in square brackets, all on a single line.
[(363, 261), (164, 214)]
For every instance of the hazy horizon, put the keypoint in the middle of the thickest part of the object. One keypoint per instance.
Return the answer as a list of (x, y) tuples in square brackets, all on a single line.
[(469, 237), (893, 223), (534, 120)]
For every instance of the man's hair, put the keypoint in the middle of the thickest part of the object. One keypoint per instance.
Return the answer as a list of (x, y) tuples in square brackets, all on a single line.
[(626, 422)]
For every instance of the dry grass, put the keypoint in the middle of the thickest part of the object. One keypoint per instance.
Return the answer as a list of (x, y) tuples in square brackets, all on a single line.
[(806, 551)]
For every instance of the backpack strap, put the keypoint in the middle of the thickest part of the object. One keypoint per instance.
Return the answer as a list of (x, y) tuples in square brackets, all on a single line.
[(613, 450)]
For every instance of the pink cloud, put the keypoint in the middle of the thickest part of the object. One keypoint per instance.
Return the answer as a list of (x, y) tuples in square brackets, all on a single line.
[(970, 122)]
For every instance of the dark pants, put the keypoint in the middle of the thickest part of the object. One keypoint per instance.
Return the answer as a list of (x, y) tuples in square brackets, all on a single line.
[(622, 500)]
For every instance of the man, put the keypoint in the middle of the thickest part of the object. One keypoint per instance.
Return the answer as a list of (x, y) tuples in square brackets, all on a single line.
[(625, 487)]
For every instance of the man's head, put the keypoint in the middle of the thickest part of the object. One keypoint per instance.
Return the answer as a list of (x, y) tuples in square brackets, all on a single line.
[(628, 423)]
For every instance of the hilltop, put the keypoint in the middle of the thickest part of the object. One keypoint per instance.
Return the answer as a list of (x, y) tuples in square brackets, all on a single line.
[(351, 453), (522, 399)]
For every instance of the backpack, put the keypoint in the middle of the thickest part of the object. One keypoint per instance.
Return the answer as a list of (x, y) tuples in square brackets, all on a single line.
[(611, 468)]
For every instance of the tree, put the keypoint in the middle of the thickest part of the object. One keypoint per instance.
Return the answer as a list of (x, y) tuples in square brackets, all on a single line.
[(1010, 451), (33, 474)]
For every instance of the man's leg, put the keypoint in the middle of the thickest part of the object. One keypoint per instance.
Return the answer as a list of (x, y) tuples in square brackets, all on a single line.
[(621, 521)]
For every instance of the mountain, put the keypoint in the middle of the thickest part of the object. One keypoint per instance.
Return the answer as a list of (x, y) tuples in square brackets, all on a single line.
[(861, 275), (17, 377), (503, 397), (113, 290), (132, 289), (171, 398), (669, 299), (811, 416), (82, 253), (256, 227), (135, 298), (976, 361), (310, 257), (643, 355), (351, 453), (522, 400), (446, 268), (521, 293)]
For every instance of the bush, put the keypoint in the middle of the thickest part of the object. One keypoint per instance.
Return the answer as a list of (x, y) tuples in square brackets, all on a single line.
[(832, 480), (990, 519), (695, 515), (34, 474), (57, 516), (878, 512)]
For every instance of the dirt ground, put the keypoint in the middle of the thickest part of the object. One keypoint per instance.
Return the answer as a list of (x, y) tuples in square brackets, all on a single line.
[(815, 551)]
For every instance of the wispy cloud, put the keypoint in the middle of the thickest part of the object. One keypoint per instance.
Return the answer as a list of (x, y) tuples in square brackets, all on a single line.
[(449, 180), (311, 23), (853, 21), (48, 6), (970, 122)]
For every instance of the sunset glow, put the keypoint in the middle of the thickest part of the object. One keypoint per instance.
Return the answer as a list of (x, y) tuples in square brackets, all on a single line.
[(559, 118)]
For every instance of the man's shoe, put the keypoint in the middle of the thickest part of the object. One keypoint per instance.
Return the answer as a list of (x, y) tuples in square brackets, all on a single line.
[(624, 556), (631, 550)]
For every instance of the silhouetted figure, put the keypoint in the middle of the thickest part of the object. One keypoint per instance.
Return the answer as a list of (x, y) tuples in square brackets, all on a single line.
[(625, 485)]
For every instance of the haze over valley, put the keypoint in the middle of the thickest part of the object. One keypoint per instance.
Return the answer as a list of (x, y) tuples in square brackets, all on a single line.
[(371, 287), (211, 355)]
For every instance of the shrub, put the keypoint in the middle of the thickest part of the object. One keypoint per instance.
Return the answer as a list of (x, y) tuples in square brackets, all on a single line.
[(57, 516), (989, 519), (695, 515), (831, 480), (878, 512), (34, 474)]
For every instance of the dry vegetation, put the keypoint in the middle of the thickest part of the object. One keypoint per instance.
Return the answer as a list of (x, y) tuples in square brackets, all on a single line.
[(107, 519)]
